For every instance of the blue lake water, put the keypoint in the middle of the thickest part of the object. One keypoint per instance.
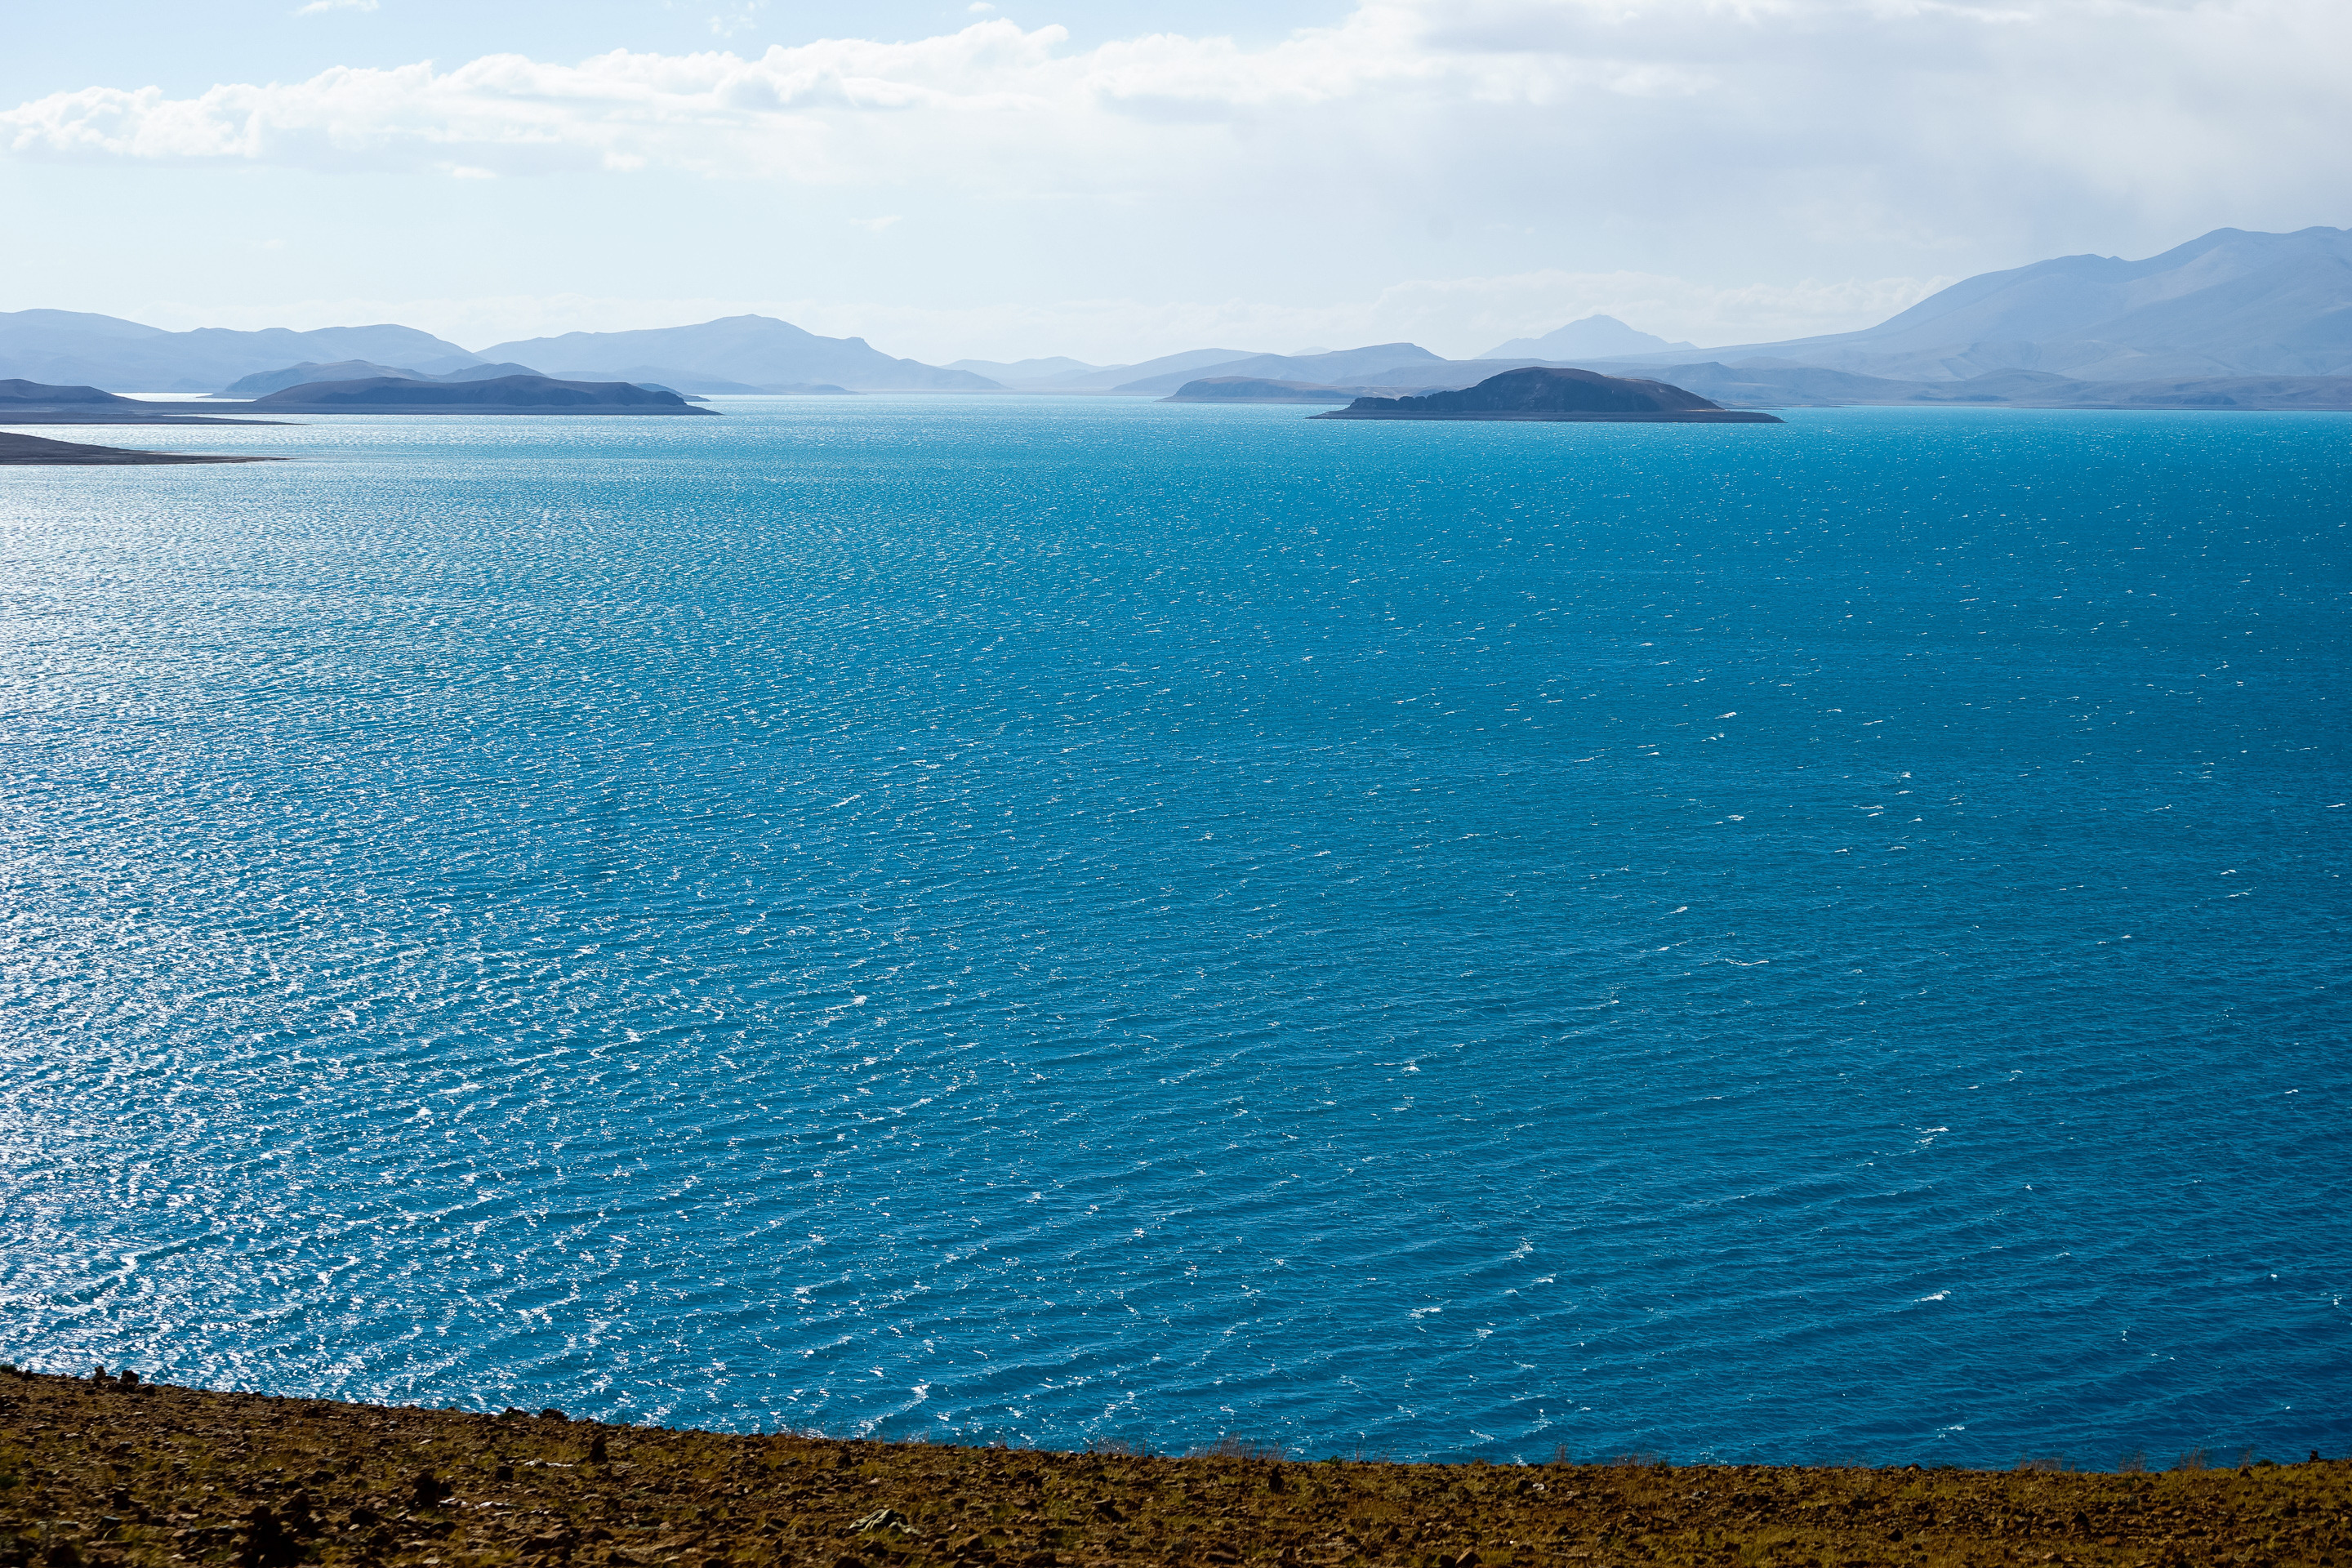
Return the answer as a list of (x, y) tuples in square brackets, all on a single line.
[(1059, 920)]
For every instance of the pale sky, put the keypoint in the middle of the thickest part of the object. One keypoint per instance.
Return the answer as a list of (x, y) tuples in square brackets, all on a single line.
[(1134, 177)]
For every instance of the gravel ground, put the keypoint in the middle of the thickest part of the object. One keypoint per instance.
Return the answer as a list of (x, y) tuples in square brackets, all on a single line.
[(105, 1473)]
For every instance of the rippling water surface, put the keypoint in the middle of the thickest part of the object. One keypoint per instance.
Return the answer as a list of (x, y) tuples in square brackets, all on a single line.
[(1059, 920)]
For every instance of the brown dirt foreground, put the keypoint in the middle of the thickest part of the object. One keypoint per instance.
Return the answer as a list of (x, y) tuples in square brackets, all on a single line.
[(102, 1474)]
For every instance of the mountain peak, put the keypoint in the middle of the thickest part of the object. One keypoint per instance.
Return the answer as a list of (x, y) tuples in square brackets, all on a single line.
[(2230, 303), (1591, 337), (73, 346), (735, 354)]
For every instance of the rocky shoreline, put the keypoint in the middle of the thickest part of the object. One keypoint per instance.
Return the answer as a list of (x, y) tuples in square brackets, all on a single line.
[(95, 1474)]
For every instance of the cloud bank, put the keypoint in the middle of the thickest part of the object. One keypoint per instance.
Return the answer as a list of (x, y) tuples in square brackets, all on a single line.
[(2166, 99), (1718, 141)]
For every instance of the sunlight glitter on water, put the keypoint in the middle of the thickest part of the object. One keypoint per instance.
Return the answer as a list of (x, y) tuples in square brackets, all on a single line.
[(1059, 918)]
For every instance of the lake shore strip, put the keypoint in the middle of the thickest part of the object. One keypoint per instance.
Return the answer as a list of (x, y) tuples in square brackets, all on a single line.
[(96, 1473)]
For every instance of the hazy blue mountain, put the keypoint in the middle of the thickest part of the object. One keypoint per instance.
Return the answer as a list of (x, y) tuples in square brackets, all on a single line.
[(16, 393), (1338, 368), (1257, 389), (2229, 303), (486, 370), (1046, 372), (1784, 385), (1419, 375), (746, 352), (60, 346), (261, 384), (670, 375), (695, 384), (1110, 375), (1445, 374), (1591, 335)]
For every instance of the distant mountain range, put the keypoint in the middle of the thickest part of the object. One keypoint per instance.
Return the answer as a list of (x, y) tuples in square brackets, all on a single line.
[(1344, 365), (734, 354), (2228, 304), (1026, 371), (2231, 304), (1077, 375), (1765, 384), (71, 346), (737, 354), (1414, 376), (1171, 371), (2231, 319)]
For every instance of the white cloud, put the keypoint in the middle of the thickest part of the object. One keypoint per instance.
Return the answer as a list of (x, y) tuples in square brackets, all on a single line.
[(1891, 101), (318, 6), (1646, 158)]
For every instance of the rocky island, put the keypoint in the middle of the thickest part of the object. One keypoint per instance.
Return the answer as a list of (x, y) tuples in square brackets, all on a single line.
[(1539, 393), (498, 395), (37, 403)]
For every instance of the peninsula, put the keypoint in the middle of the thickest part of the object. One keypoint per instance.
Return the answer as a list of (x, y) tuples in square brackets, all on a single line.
[(35, 451), (37, 403), (34, 403), (1257, 389), (1540, 394)]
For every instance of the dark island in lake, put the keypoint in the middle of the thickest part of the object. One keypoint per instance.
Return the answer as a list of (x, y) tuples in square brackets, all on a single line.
[(262, 382), (500, 394), (38, 402), (37, 451), (34, 403), (1540, 394)]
